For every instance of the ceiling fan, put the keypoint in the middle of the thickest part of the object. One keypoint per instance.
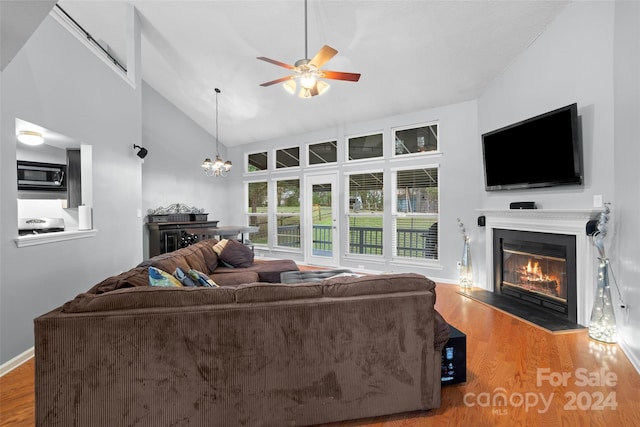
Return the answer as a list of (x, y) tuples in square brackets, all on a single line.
[(305, 79)]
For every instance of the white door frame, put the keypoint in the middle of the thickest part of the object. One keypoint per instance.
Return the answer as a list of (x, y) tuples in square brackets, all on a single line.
[(310, 258)]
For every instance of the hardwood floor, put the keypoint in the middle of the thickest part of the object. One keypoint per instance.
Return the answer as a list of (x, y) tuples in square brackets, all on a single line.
[(505, 358), (17, 397)]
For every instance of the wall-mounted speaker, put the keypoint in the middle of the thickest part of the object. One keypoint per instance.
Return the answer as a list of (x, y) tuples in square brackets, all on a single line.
[(482, 220), (592, 227), (142, 153)]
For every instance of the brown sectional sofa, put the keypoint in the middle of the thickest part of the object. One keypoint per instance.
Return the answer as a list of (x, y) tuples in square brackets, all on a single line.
[(251, 354), (201, 257)]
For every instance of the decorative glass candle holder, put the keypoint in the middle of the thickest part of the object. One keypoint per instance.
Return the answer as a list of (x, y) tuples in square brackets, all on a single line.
[(466, 269), (602, 326)]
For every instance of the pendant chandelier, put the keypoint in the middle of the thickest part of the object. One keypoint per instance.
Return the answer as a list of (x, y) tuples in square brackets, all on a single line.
[(218, 167)]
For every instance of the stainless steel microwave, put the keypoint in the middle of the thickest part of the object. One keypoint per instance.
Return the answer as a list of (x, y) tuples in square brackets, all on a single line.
[(41, 176)]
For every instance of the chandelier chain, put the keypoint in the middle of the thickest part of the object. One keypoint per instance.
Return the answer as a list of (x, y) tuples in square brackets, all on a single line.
[(217, 140)]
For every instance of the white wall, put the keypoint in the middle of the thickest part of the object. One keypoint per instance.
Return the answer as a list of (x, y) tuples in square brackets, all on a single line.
[(625, 251), (171, 172), (589, 55), (570, 62), (56, 82), (460, 171)]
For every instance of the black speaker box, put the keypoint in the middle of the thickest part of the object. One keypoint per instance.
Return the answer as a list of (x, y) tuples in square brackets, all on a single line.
[(522, 205), (454, 358), (482, 221)]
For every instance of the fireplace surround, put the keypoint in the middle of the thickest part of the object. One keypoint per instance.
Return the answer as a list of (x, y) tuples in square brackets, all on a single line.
[(567, 222)]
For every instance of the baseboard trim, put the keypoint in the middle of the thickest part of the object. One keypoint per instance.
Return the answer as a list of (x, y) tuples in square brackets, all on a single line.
[(12, 364), (628, 351)]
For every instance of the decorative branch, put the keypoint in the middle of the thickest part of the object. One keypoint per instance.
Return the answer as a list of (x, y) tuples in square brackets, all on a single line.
[(462, 230), (601, 233)]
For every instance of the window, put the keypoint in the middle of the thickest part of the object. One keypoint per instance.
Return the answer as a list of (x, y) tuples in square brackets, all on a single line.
[(365, 147), (323, 153), (257, 162), (366, 209), (258, 211), (415, 216), (288, 157), (422, 139), (288, 213)]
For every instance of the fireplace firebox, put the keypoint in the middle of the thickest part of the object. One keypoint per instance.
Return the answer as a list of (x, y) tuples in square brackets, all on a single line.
[(536, 268)]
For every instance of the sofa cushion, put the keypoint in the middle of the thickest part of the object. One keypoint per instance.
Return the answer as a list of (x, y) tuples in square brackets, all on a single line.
[(170, 261), (209, 255), (269, 270), (344, 286), (236, 278), (266, 292), (135, 277), (149, 297), (236, 254), (313, 275), (193, 256)]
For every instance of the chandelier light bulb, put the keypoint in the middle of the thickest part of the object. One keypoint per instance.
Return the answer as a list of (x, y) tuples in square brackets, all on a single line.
[(218, 163)]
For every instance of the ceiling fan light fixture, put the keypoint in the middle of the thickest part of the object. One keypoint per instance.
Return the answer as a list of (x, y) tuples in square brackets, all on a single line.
[(308, 80), (308, 71), (304, 93), (322, 87), (290, 86)]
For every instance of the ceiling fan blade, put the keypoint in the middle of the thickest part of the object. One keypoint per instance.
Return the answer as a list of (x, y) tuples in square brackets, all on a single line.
[(280, 80), (338, 75), (278, 63), (324, 54)]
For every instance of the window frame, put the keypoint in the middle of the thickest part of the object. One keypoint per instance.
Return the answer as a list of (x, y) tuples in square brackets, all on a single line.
[(394, 215), (246, 162), (320, 165), (250, 214), (367, 159), (396, 129), (285, 168), (273, 232), (348, 215)]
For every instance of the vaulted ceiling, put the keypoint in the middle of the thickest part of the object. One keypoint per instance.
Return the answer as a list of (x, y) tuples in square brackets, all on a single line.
[(412, 55)]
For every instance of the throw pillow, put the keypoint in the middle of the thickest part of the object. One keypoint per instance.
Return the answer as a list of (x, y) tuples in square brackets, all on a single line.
[(184, 278), (237, 254), (218, 247), (158, 277), (202, 279)]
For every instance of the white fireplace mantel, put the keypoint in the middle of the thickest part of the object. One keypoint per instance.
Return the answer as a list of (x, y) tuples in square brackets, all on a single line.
[(558, 221)]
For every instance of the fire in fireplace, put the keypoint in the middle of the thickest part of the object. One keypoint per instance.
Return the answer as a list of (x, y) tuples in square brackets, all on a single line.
[(542, 274), (537, 268)]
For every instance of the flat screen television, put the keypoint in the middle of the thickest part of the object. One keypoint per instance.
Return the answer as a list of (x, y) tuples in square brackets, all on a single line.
[(542, 151)]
